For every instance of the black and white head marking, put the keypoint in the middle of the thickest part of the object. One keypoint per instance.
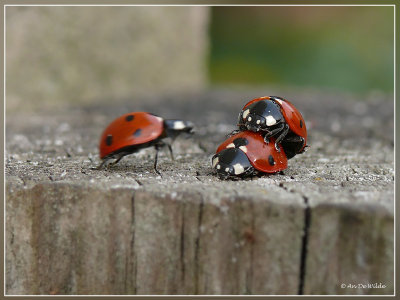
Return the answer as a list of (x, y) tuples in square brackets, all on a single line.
[(270, 120), (231, 162), (245, 113), (178, 125), (262, 114)]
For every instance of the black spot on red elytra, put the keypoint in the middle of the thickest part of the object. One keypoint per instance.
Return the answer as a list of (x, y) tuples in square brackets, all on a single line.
[(137, 132), (109, 140), (271, 160), (240, 142), (129, 118), (301, 123)]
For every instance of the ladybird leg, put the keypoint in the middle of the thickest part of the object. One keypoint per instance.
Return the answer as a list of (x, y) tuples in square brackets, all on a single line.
[(275, 131), (233, 132), (240, 119), (304, 147), (170, 151), (157, 147), (239, 124), (253, 172), (281, 137), (102, 164), (118, 159)]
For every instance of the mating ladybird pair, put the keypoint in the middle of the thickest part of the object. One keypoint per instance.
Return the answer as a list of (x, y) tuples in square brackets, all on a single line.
[(270, 131)]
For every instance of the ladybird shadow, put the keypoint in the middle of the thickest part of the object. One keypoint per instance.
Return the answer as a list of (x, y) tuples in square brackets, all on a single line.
[(256, 176), (128, 167)]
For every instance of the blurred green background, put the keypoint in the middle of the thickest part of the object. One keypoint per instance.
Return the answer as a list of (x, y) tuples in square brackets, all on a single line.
[(338, 48)]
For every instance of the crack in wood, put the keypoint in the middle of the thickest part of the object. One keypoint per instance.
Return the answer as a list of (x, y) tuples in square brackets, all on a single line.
[(304, 241), (131, 268), (197, 247), (304, 245), (249, 236), (253, 228)]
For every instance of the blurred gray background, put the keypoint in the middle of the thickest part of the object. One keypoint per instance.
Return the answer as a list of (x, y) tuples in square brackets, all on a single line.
[(59, 55), (88, 55)]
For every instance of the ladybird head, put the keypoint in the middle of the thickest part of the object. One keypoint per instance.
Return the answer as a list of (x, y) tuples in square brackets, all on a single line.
[(260, 115), (231, 162), (175, 127)]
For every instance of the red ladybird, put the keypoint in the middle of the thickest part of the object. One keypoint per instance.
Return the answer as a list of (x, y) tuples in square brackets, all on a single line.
[(137, 130), (275, 117), (246, 153)]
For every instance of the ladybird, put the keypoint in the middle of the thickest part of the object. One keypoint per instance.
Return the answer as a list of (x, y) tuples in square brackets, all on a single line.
[(245, 154), (275, 117), (137, 130)]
